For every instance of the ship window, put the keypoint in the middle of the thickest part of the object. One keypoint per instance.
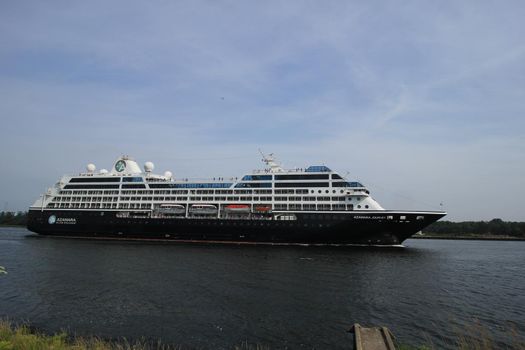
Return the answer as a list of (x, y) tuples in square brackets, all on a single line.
[(73, 187), (301, 184), (336, 176), (257, 178), (346, 184), (132, 179), (359, 206), (317, 168), (134, 186), (366, 206), (253, 185), (302, 177), (95, 179)]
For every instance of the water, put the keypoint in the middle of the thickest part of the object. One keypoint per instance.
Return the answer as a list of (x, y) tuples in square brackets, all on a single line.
[(205, 296)]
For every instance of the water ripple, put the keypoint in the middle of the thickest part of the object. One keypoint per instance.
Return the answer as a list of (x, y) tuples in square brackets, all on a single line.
[(295, 297)]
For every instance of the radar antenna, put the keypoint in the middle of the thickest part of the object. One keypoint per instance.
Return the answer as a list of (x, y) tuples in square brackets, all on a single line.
[(269, 159)]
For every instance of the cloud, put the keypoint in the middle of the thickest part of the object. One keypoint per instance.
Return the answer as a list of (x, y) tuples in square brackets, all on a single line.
[(424, 98)]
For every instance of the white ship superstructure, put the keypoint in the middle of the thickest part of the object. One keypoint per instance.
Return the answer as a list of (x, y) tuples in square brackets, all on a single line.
[(127, 187)]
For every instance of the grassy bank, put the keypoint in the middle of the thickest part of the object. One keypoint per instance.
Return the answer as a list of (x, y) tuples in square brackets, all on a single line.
[(23, 338)]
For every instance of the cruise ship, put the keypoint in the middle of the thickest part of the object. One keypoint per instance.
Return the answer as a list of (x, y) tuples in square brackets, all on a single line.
[(312, 205)]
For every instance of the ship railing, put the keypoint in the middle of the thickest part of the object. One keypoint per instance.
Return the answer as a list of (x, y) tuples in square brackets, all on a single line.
[(108, 174), (269, 171), (254, 217)]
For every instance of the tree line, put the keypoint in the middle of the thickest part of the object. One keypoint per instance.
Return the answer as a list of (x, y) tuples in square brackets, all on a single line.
[(494, 227), (12, 218)]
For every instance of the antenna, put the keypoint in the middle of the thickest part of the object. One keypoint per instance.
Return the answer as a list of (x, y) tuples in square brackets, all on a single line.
[(269, 159)]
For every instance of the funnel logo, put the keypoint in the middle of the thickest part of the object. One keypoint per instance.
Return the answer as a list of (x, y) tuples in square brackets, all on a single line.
[(120, 166), (52, 219)]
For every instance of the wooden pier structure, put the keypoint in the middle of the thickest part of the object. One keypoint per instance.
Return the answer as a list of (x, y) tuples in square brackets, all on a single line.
[(372, 338)]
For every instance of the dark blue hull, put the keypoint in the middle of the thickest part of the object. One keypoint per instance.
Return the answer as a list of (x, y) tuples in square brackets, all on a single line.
[(369, 228)]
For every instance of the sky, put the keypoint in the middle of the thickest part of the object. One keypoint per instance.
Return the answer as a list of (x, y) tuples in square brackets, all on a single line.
[(421, 101)]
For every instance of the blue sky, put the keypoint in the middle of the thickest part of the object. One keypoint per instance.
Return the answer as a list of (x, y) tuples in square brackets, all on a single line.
[(422, 101)]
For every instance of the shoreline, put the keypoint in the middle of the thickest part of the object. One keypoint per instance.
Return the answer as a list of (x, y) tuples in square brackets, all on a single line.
[(468, 238)]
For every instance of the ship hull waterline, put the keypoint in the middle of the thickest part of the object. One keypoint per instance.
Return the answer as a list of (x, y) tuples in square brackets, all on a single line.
[(328, 228)]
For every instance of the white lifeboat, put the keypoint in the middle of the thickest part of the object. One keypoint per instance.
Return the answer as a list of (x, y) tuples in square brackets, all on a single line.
[(168, 208), (203, 209)]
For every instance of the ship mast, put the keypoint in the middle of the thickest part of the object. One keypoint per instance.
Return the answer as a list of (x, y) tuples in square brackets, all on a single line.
[(269, 159)]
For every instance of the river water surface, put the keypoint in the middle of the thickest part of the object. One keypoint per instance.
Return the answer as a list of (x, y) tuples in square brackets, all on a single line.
[(219, 296)]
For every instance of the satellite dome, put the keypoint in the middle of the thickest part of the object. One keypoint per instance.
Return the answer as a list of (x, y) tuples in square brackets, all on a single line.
[(91, 168), (168, 174), (148, 167), (103, 171)]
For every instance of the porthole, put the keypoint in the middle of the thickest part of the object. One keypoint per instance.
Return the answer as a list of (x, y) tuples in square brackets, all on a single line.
[(366, 206), (319, 191), (333, 191), (359, 206), (327, 191)]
